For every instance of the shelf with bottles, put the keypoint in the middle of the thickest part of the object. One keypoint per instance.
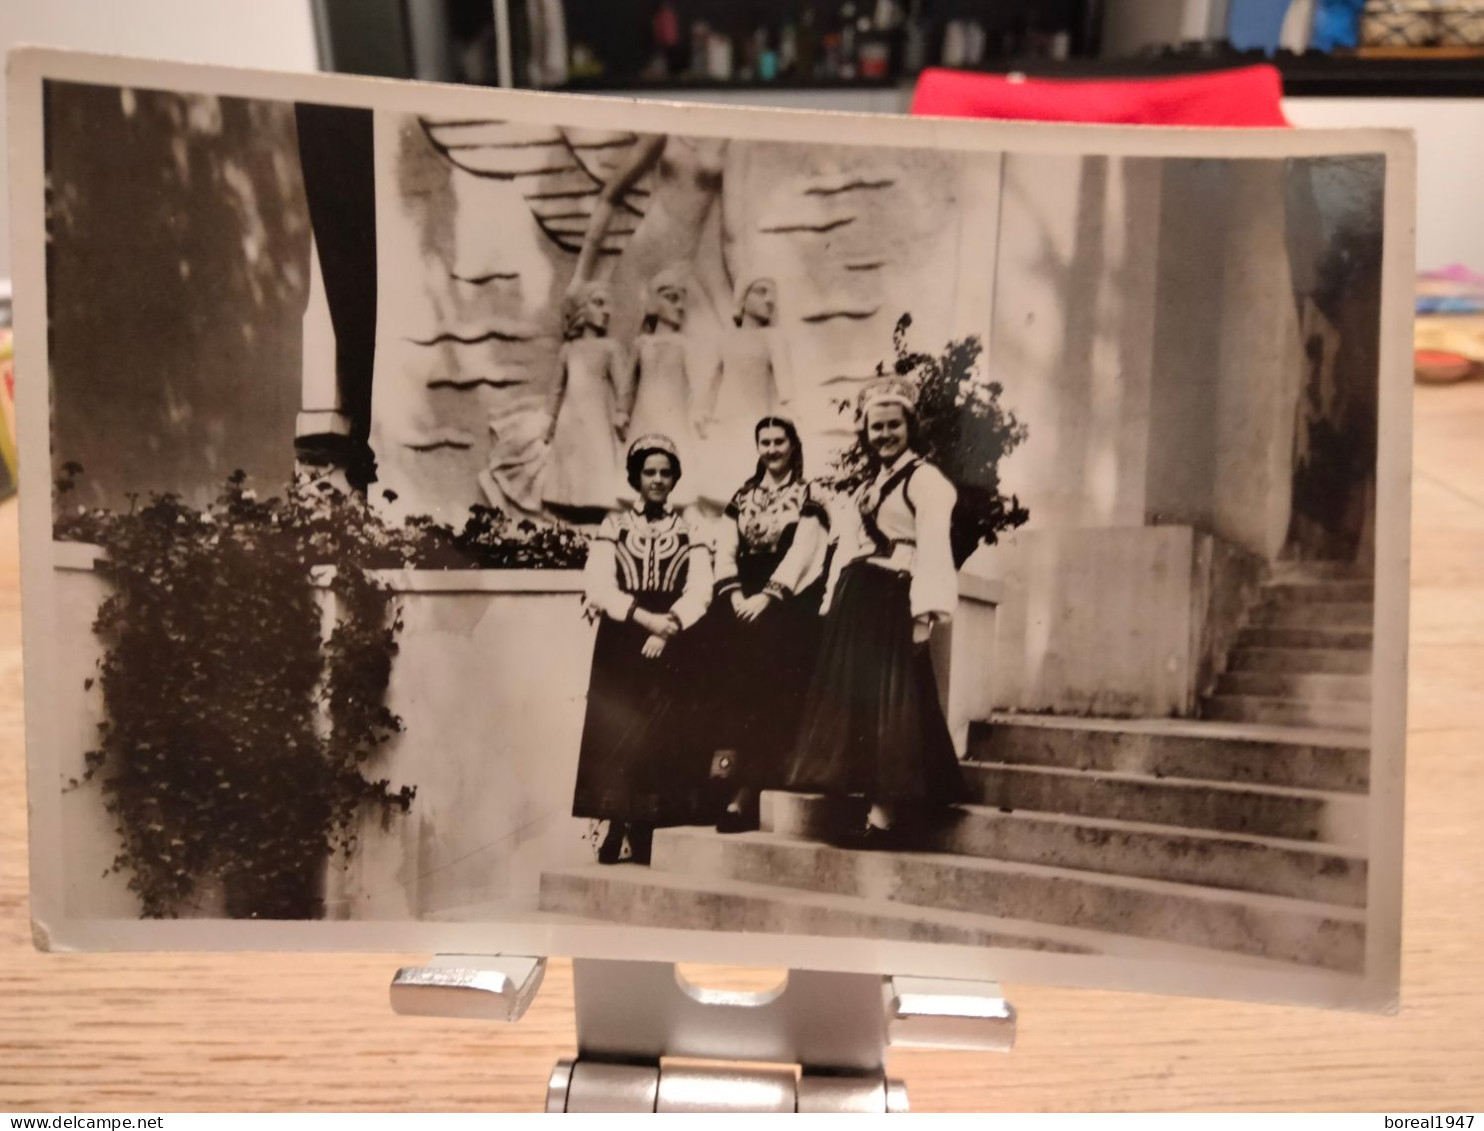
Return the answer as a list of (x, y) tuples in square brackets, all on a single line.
[(601, 83), (798, 44)]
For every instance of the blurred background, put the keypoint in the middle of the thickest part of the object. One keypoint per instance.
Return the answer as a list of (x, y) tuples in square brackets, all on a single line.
[(1413, 64), (1417, 64)]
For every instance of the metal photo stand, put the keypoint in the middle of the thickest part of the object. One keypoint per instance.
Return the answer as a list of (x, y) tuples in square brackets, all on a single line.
[(816, 1043)]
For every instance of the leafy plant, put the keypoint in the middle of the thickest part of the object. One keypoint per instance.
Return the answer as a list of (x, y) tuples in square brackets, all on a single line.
[(490, 539), (338, 526), (962, 428), (235, 738)]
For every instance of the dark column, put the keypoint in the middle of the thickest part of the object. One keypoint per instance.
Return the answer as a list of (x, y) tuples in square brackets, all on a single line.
[(336, 150)]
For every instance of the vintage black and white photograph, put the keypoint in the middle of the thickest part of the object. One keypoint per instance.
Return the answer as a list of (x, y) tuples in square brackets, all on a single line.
[(464, 518)]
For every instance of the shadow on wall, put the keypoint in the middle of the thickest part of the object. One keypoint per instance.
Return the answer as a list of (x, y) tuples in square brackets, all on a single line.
[(177, 276), (1146, 323), (1335, 240), (1074, 309)]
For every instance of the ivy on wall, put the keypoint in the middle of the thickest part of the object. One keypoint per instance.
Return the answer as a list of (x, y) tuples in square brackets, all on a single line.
[(237, 734), (215, 758)]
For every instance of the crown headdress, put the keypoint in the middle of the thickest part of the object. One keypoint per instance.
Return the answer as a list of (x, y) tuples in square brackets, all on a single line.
[(654, 442), (889, 390)]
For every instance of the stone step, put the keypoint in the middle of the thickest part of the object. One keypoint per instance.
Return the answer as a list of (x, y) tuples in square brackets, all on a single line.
[(1177, 748), (1329, 661), (1318, 614), (1118, 848), (1302, 572), (1274, 811), (1305, 592), (1327, 639), (1288, 712), (643, 897), (1309, 686), (1249, 923), (651, 897)]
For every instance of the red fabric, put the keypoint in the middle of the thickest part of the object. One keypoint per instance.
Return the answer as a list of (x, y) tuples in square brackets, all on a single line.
[(1247, 96)]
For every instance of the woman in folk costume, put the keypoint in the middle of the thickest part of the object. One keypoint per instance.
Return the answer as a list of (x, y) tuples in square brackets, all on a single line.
[(872, 726), (589, 412), (649, 581), (754, 379), (664, 400), (763, 629)]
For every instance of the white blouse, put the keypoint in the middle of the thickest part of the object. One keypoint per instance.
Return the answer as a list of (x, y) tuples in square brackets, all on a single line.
[(631, 553), (920, 540), (772, 510)]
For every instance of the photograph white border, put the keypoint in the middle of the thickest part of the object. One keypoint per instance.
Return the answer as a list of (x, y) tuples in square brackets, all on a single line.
[(1377, 989)]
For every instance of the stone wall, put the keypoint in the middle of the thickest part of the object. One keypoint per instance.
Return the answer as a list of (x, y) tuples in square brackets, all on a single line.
[(88, 844), (491, 682), (1146, 331), (1120, 622), (1095, 622), (1074, 317)]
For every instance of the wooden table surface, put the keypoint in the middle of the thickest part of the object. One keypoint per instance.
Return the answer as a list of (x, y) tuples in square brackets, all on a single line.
[(170, 1032)]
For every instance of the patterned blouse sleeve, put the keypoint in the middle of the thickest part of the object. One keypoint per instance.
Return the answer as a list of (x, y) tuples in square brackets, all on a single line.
[(934, 578), (693, 603), (801, 565), (600, 579)]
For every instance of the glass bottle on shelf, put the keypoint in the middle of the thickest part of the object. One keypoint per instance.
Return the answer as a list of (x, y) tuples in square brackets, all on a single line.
[(700, 45), (719, 56), (845, 64), (914, 41), (788, 49), (808, 46)]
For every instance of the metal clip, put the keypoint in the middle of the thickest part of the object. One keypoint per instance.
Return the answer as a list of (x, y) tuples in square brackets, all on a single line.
[(944, 1013), (481, 987), (815, 1043), (593, 1086)]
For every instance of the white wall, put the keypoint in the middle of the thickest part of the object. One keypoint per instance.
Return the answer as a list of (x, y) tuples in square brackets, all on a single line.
[(1073, 323), (1450, 164), (491, 684), (274, 34)]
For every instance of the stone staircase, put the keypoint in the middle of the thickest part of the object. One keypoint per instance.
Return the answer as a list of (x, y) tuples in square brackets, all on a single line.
[(1303, 658), (1161, 839)]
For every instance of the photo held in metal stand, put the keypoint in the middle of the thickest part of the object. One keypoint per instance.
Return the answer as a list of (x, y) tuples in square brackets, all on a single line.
[(836, 1028), (915, 555)]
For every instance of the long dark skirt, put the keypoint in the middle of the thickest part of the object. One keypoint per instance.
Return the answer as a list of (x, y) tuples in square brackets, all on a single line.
[(640, 760), (756, 675), (872, 726)]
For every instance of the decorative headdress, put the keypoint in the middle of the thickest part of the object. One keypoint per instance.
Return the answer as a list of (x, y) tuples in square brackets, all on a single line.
[(653, 442), (889, 390), (743, 288)]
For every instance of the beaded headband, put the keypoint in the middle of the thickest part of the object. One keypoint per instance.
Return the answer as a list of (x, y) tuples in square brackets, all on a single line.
[(889, 390), (654, 442)]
